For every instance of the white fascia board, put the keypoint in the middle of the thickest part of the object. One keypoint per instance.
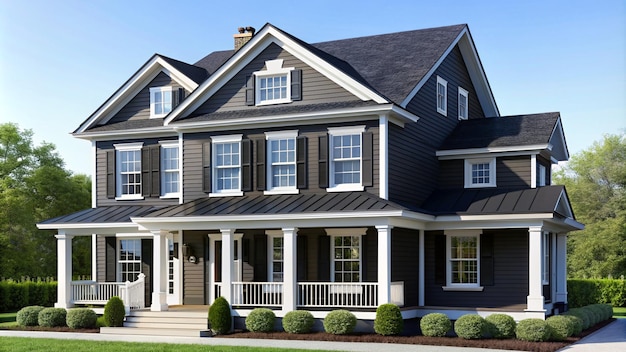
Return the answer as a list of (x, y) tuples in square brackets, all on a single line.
[(139, 133), (133, 86), (478, 152), (251, 50), (397, 116), (89, 229), (558, 135), (474, 68)]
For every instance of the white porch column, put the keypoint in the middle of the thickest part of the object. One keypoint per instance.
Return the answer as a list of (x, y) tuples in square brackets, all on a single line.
[(159, 272), (227, 263), (561, 267), (94, 256), (290, 269), (421, 271), (535, 301), (384, 264), (64, 270)]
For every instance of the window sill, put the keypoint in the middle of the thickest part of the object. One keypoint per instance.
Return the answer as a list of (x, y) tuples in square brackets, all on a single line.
[(481, 185), (283, 191), (442, 112), (133, 197), (226, 194), (346, 188), (273, 102), (170, 196), (463, 288)]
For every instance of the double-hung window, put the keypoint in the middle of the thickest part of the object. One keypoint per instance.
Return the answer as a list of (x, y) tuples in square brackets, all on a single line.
[(346, 158), (226, 165), (281, 156), (170, 169), (129, 259), (463, 104), (273, 85), (480, 173), (442, 96), (463, 260), (541, 179), (346, 258), (276, 258), (128, 175), (160, 101)]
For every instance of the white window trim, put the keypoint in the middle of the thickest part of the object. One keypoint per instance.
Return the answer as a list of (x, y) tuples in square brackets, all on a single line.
[(545, 258), (118, 176), (345, 232), (165, 145), (154, 90), (272, 68), (293, 134), (464, 93), (118, 248), (346, 187), (235, 138), (456, 286), (468, 172), (270, 254), (442, 110)]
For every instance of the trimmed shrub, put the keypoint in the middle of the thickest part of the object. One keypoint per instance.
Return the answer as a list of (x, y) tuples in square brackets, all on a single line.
[(560, 326), (28, 316), (220, 317), (51, 317), (114, 312), (595, 313), (435, 325), (583, 292), (500, 326), (100, 323), (298, 322), (261, 320), (470, 326), (533, 329), (577, 324), (81, 318), (583, 315), (339, 322), (388, 320)]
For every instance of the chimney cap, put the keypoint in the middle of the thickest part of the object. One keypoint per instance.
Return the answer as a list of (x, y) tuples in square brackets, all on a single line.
[(250, 30)]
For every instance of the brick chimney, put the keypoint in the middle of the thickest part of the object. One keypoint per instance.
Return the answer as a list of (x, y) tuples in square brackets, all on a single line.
[(244, 36)]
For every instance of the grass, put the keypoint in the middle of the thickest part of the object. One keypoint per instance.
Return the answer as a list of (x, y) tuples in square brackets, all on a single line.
[(18, 344), (619, 312), (8, 319)]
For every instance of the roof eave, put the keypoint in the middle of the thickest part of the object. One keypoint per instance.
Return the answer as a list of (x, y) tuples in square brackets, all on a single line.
[(525, 149)]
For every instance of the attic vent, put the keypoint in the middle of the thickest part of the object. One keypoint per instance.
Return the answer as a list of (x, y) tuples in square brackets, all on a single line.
[(244, 36)]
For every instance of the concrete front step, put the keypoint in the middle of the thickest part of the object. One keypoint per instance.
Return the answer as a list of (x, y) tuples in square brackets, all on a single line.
[(152, 332), (169, 323)]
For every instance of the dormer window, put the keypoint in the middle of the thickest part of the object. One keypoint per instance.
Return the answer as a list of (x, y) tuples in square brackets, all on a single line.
[(480, 173), (161, 101), (274, 85)]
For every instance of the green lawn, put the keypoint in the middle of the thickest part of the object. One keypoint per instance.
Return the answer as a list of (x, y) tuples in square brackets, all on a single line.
[(619, 312), (18, 344), (8, 319)]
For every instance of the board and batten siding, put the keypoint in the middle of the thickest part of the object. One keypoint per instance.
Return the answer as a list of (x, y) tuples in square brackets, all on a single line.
[(101, 174), (413, 166), (193, 158), (510, 274), (316, 88), (138, 108)]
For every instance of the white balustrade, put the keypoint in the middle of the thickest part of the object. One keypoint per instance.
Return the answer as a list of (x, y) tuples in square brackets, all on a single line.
[(252, 294), (93, 292), (338, 294)]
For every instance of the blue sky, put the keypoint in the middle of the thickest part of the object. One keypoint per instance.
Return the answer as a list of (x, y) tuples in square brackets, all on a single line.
[(60, 60)]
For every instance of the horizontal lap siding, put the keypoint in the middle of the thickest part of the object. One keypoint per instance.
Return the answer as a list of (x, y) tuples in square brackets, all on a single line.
[(316, 88), (405, 262), (101, 175), (513, 172), (413, 166), (510, 274), (451, 174), (194, 276), (138, 108)]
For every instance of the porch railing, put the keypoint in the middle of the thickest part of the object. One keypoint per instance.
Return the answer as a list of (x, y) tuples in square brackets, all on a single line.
[(332, 294), (133, 293), (397, 293), (266, 294), (99, 293)]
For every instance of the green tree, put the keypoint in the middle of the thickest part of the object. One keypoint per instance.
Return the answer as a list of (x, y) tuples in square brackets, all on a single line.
[(35, 186), (596, 184)]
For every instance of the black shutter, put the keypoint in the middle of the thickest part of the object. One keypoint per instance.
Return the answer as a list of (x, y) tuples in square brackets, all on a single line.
[(440, 259), (260, 258), (250, 90), (146, 268), (110, 164), (302, 257), (486, 260), (206, 167), (110, 254), (146, 172), (180, 96), (368, 159), (260, 165), (301, 162), (296, 85), (246, 165), (323, 262), (155, 171), (323, 161)]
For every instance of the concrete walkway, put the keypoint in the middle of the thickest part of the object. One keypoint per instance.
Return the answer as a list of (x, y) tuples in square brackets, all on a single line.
[(611, 338)]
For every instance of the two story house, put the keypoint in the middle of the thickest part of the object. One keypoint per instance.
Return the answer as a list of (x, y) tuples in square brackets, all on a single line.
[(343, 174)]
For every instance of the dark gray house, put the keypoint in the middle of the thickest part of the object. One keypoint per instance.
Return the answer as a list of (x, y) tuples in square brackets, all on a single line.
[(343, 174)]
